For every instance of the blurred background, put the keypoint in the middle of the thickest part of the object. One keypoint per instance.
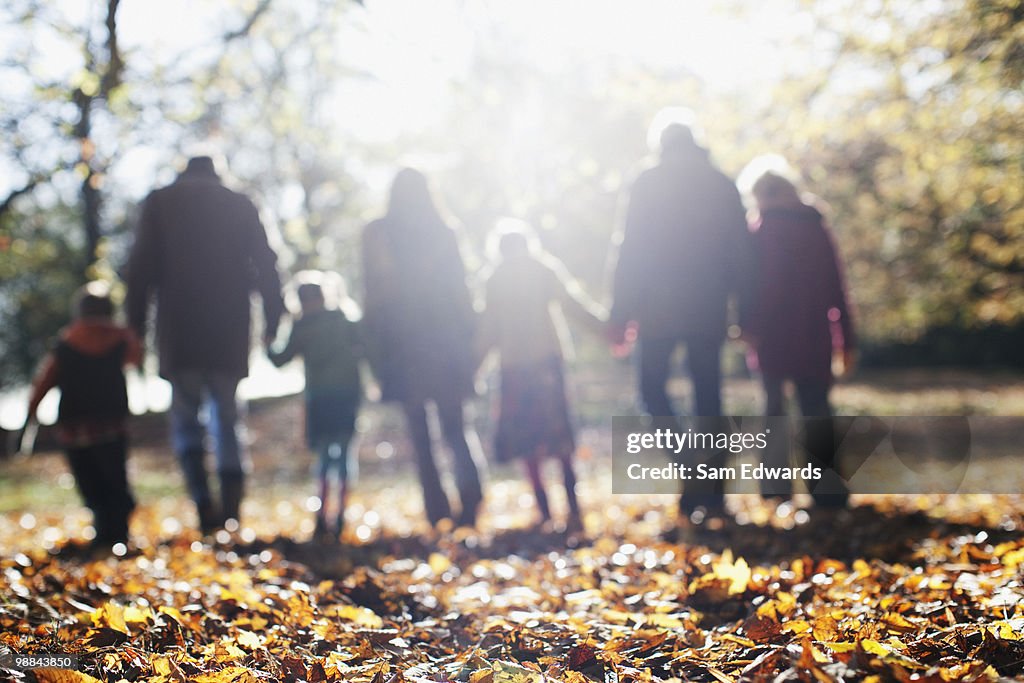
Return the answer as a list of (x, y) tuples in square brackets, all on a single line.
[(905, 116)]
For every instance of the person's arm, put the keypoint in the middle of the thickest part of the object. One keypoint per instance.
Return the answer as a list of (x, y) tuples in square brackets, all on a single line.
[(268, 280), (45, 379), (455, 268), (133, 349), (378, 280), (143, 270), (838, 301), (576, 304), (740, 252), (629, 269), (290, 350), (488, 332)]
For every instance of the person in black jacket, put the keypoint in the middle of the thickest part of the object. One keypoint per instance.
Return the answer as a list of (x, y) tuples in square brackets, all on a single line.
[(201, 249), (685, 251)]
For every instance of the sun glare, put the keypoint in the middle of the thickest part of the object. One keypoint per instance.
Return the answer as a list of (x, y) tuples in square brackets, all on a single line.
[(416, 53)]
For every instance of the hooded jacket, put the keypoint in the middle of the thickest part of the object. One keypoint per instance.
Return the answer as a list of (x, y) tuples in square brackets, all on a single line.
[(801, 312)]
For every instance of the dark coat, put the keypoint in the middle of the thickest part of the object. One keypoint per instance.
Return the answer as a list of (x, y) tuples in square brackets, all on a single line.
[(685, 249), (202, 249), (799, 286), (418, 314)]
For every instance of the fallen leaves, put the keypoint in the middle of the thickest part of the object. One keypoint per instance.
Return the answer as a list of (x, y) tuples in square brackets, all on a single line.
[(629, 607)]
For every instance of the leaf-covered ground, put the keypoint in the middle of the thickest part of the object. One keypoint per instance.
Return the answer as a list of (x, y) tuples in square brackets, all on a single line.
[(876, 592), (922, 588)]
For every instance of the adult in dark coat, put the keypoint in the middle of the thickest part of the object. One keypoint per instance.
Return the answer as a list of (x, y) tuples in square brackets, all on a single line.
[(202, 250), (800, 317), (420, 322), (685, 251)]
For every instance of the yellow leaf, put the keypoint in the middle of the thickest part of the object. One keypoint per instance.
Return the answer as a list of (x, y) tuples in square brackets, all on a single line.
[(798, 626), (736, 573), (439, 564), (739, 640), (507, 672), (841, 647), (357, 615), (232, 674), (720, 676), (825, 629), (162, 666), (614, 616), (137, 615), (1012, 559), (248, 639), (63, 676), (662, 620), (481, 676), (110, 615), (1007, 629), (172, 613), (876, 648)]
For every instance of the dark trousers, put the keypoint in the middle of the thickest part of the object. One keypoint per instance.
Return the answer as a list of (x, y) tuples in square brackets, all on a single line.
[(703, 360), (466, 457), (819, 437), (101, 476)]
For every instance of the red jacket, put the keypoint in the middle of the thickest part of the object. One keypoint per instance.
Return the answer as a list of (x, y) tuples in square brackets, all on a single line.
[(800, 311)]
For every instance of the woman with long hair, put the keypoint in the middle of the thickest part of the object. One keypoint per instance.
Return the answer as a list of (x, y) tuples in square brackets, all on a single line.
[(420, 323)]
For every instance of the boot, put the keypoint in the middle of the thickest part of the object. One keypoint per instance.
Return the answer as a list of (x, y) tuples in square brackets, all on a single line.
[(232, 487), (209, 520)]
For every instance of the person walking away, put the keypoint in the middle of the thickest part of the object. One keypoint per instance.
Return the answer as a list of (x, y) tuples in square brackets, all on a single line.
[(526, 296), (202, 250), (87, 366), (420, 323), (328, 340), (800, 319), (685, 252)]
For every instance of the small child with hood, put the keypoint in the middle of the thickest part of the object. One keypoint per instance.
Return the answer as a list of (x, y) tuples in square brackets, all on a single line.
[(87, 365), (526, 295), (329, 341)]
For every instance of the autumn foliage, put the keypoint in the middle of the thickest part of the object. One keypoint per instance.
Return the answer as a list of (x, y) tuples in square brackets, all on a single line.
[(881, 592)]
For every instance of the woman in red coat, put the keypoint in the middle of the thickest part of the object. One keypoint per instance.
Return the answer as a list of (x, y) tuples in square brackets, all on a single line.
[(801, 317)]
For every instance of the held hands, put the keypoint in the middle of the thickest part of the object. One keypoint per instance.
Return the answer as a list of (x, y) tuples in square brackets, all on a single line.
[(621, 337), (27, 436), (850, 360), (844, 363)]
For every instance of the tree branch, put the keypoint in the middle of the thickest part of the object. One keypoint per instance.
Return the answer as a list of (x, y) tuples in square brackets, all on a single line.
[(250, 22), (115, 64), (8, 202)]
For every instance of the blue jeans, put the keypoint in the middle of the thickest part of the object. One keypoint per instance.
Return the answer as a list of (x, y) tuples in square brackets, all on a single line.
[(192, 391)]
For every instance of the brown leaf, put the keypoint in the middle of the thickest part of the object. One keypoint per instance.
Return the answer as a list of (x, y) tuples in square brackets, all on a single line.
[(63, 676)]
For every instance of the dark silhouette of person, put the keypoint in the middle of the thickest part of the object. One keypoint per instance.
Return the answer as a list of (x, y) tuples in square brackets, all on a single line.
[(685, 251), (329, 340), (529, 295), (799, 318), (201, 248), (87, 366), (420, 322)]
